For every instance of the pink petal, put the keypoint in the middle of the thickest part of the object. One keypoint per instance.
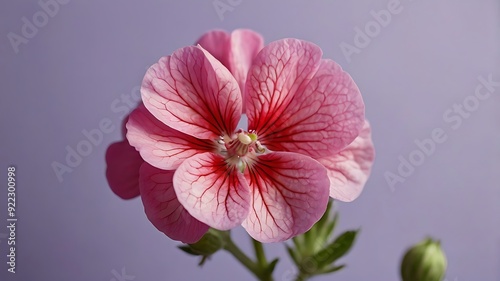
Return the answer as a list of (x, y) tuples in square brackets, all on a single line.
[(193, 93), (245, 45), (124, 126), (217, 43), (300, 103), (164, 210), (349, 169), (160, 145), (290, 194), (212, 191), (122, 171), (235, 51)]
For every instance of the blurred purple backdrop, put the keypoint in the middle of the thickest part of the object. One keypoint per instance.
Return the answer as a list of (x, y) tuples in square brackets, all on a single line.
[(84, 58)]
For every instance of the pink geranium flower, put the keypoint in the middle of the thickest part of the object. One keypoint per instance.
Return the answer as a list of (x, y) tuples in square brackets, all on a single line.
[(306, 138), (235, 51)]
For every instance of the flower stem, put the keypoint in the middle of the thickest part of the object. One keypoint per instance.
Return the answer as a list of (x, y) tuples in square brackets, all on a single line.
[(241, 257), (258, 269), (259, 253)]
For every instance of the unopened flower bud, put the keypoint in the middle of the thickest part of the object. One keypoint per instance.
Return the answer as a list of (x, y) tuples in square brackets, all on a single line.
[(424, 262), (208, 244)]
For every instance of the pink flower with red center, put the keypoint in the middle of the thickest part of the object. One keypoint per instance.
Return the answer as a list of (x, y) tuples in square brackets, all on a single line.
[(306, 139)]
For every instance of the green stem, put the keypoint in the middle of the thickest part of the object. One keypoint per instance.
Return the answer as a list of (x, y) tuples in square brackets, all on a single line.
[(259, 253), (241, 257), (257, 269)]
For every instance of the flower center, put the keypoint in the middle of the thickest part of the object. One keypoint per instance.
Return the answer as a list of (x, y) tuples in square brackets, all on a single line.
[(241, 145)]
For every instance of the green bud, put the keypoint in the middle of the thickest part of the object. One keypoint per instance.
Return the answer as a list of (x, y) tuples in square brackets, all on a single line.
[(424, 262), (208, 244)]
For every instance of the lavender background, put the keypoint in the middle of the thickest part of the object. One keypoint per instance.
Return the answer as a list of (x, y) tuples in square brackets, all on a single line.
[(91, 53)]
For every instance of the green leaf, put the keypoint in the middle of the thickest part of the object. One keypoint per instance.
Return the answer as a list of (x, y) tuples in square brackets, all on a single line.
[(310, 242), (270, 267), (335, 250), (331, 269), (202, 261), (188, 250), (327, 230), (326, 216)]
